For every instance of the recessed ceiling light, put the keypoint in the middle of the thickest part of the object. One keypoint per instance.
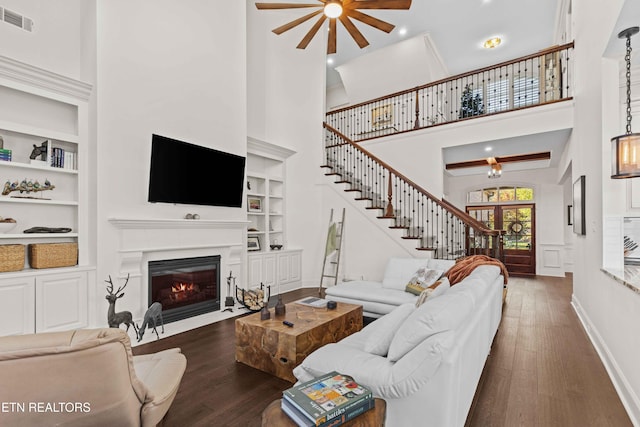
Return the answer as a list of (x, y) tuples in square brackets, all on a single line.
[(492, 42), (329, 61), (488, 149), (402, 31)]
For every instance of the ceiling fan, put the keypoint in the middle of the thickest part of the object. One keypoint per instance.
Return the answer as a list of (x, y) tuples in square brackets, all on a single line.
[(338, 10)]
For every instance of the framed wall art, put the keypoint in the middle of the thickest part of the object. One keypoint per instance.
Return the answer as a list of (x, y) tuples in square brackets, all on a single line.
[(254, 204), (579, 221), (253, 243), (381, 117)]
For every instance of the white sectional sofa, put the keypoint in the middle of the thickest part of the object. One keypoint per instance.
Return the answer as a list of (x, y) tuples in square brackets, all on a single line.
[(378, 298), (426, 361)]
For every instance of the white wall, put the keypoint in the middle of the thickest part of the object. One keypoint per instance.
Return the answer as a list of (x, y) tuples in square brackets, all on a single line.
[(406, 64), (610, 311), (286, 107), (175, 69), (550, 210), (55, 43)]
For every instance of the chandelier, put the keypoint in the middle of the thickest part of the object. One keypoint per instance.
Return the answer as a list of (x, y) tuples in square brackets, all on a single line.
[(496, 168), (625, 149)]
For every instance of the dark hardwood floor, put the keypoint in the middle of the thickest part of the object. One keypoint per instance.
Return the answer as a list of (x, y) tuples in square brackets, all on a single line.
[(542, 370)]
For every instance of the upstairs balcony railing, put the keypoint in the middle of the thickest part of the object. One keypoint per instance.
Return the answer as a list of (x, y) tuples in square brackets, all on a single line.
[(537, 79), (434, 224)]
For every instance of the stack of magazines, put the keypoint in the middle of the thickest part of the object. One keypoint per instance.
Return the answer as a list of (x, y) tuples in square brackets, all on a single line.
[(329, 400)]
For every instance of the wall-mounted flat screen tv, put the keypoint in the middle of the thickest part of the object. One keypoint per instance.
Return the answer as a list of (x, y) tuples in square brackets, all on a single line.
[(191, 174)]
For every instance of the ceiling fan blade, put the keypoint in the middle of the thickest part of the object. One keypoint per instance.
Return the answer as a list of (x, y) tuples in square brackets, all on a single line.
[(378, 4), (312, 32), (355, 33), (333, 37), (295, 23), (263, 6), (370, 20)]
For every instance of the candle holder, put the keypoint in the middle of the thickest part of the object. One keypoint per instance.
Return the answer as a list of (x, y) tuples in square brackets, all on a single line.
[(265, 314), (280, 308)]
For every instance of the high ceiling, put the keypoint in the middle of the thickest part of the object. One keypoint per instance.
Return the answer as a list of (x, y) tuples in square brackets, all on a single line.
[(457, 28)]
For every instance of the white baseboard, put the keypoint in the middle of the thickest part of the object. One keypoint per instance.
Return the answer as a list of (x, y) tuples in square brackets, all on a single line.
[(628, 397)]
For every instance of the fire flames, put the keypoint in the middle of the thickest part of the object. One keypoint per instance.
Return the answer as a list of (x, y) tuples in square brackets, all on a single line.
[(181, 291)]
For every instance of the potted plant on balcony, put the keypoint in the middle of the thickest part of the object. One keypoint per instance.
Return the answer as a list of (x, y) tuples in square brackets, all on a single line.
[(470, 104)]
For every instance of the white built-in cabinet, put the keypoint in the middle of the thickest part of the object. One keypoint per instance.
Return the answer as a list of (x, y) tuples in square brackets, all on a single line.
[(37, 105), (266, 215), (279, 269)]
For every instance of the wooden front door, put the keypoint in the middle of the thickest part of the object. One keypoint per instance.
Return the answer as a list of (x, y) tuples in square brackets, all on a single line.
[(518, 222)]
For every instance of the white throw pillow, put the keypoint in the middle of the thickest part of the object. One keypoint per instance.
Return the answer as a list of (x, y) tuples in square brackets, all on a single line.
[(436, 315), (423, 278), (400, 270), (432, 292), (441, 264), (382, 330)]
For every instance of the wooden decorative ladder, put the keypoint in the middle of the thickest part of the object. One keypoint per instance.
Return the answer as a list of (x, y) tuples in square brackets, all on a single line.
[(332, 250)]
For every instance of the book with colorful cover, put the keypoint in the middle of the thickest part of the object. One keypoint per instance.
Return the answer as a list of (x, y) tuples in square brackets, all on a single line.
[(327, 397), (302, 421)]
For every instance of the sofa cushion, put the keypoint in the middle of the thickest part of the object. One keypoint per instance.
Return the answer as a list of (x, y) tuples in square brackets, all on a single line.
[(381, 332), (436, 315), (369, 291), (400, 270), (438, 288), (385, 378), (422, 279), (441, 264)]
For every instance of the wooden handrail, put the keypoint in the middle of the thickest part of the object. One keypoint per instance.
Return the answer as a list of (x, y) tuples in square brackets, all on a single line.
[(457, 76), (462, 216)]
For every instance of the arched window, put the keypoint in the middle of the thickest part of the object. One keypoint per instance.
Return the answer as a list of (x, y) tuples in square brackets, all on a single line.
[(501, 195)]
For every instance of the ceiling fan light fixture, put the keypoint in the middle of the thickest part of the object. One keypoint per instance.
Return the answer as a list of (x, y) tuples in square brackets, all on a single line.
[(333, 9), (491, 43)]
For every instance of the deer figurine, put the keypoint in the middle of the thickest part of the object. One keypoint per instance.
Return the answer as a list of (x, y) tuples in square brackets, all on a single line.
[(115, 319), (151, 319)]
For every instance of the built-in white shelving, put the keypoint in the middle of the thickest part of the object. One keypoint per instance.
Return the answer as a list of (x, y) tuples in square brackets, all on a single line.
[(38, 105)]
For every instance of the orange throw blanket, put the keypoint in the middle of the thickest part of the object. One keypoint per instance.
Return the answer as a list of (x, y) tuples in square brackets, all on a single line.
[(464, 266)]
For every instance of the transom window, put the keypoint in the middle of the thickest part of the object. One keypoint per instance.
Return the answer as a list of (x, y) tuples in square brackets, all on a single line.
[(500, 195)]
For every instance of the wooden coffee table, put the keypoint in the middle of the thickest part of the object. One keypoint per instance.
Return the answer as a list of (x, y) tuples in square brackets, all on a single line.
[(274, 416), (273, 347)]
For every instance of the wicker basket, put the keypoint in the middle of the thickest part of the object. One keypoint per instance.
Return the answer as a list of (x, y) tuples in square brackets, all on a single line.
[(49, 255), (11, 257)]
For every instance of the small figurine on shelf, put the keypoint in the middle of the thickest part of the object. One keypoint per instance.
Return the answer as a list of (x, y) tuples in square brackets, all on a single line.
[(39, 151), (26, 186)]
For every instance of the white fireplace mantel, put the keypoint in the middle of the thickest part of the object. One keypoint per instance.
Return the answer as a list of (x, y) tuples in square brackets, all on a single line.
[(141, 240), (158, 223)]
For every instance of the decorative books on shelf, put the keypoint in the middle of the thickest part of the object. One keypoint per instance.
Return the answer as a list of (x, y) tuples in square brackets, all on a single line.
[(329, 400), (46, 155), (5, 154)]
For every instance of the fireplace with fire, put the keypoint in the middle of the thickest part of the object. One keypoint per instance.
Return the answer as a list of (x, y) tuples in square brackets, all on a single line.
[(185, 287)]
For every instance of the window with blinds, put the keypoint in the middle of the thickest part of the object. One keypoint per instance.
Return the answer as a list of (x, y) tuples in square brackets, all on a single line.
[(497, 96), (526, 91)]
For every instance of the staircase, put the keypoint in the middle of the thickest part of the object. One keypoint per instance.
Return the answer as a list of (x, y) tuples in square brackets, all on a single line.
[(434, 224)]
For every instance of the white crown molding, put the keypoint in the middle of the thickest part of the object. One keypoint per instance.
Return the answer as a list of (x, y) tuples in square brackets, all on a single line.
[(150, 223), (268, 149), (20, 72)]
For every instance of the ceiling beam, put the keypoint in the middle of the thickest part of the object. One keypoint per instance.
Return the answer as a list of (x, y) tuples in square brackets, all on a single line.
[(545, 155)]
